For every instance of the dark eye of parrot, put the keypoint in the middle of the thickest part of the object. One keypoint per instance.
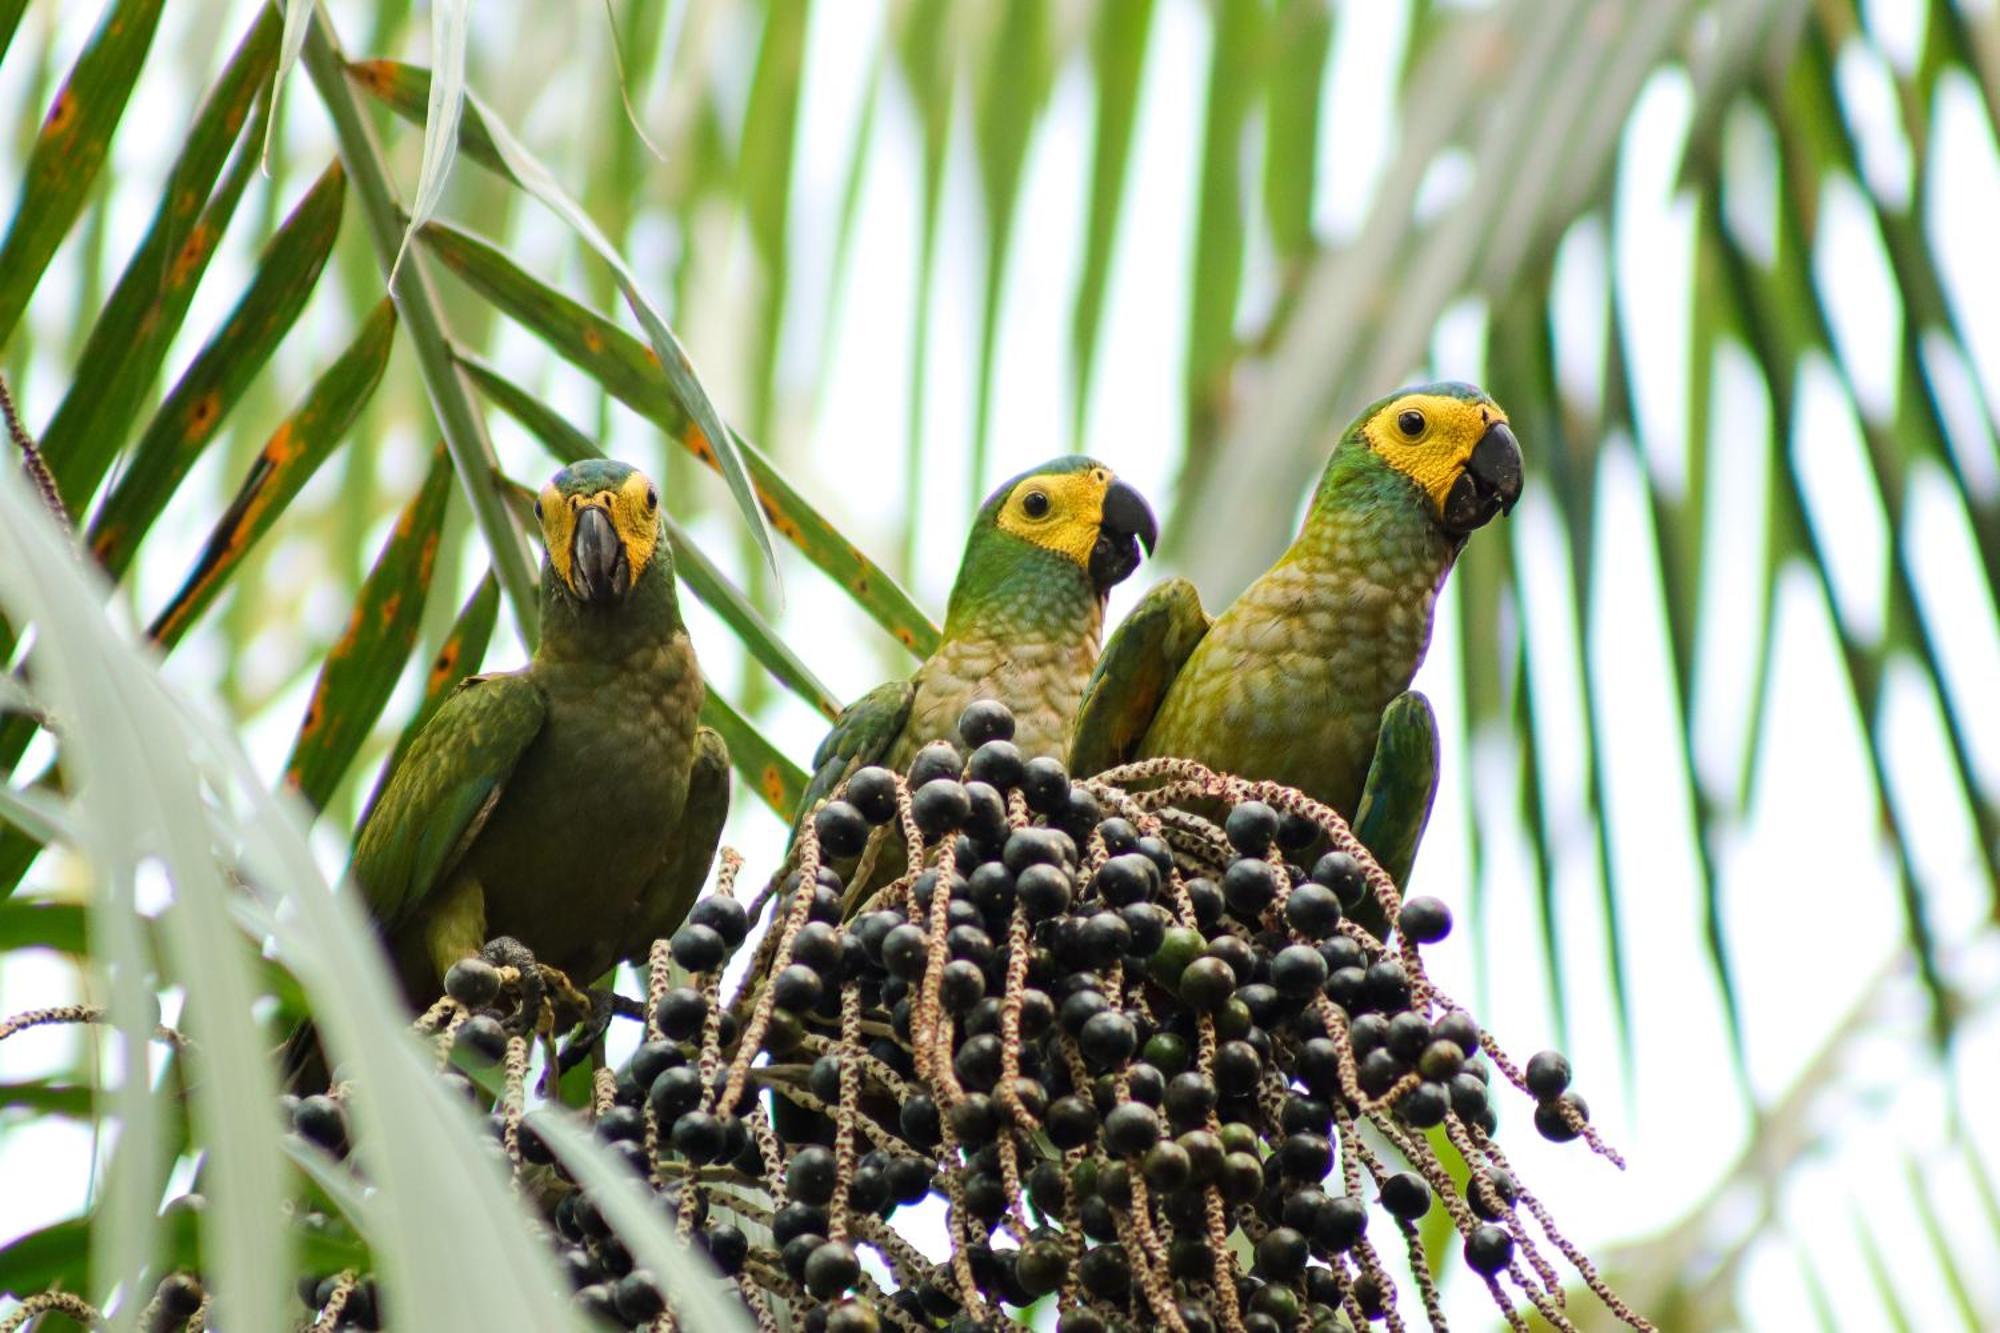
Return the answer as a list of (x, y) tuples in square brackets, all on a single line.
[(652, 499), (538, 507), (1411, 423), (1035, 504)]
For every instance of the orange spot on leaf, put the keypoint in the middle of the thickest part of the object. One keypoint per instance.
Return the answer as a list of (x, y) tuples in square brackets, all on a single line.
[(203, 414), (62, 114), (283, 446), (907, 639), (390, 606), (593, 341), (315, 713), (427, 558), (345, 643), (190, 255), (773, 783), (447, 661)]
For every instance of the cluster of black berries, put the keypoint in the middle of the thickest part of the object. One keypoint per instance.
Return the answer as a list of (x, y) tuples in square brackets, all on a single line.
[(1124, 1048)]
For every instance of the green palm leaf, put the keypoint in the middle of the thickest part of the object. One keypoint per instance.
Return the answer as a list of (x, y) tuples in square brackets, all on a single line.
[(75, 136), (129, 339), (286, 462), (363, 664), (191, 415)]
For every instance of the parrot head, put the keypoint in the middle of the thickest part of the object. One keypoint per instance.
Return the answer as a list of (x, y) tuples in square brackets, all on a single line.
[(1069, 518), (1453, 442), (601, 524), (1076, 507)]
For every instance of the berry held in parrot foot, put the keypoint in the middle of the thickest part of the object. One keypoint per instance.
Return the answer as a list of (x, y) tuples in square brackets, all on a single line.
[(995, 702), (572, 806), (1305, 678)]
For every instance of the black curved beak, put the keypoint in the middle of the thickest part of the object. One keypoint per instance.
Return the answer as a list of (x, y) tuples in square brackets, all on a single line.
[(1490, 484), (1126, 525), (598, 569)]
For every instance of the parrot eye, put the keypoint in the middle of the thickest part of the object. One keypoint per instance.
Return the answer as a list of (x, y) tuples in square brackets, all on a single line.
[(538, 507), (652, 499), (1035, 504), (1411, 423)]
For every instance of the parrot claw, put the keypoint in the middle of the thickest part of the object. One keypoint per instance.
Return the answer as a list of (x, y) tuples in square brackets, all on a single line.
[(602, 1007), (506, 951)]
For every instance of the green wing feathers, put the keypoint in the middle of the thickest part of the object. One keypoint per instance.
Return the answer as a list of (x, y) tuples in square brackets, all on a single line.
[(1143, 656), (867, 731), (440, 795), (1402, 783), (667, 900)]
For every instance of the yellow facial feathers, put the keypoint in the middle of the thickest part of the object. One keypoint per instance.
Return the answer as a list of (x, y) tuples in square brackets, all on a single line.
[(633, 508), (1059, 510), (1428, 437)]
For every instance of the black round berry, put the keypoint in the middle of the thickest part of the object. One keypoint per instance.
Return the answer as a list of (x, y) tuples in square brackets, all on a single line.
[(935, 761), (872, 791), (1312, 910), (1342, 873), (831, 1269), (1131, 1128), (810, 1175), (1488, 1249), (997, 763), (1249, 886), (680, 1013), (1108, 1039), (1343, 1220), (1045, 784), (1282, 1253), (940, 807), (1043, 889), (481, 1040), (1071, 1122), (674, 1092), (699, 948), (321, 1120), (1206, 984), (841, 828), (1424, 920), (1298, 971), (1547, 1075), (1251, 826), (1405, 1195), (473, 982), (985, 720), (1552, 1121), (906, 951)]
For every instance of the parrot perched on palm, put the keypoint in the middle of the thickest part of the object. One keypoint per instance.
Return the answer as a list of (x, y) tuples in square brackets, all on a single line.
[(1023, 625), (575, 804), (1304, 679)]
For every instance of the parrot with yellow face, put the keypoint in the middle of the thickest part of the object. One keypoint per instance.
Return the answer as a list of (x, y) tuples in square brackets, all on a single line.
[(573, 805), (1022, 627), (1304, 679)]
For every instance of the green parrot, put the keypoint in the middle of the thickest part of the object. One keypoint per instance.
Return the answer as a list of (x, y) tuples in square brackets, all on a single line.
[(1305, 678), (575, 804), (1023, 625)]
